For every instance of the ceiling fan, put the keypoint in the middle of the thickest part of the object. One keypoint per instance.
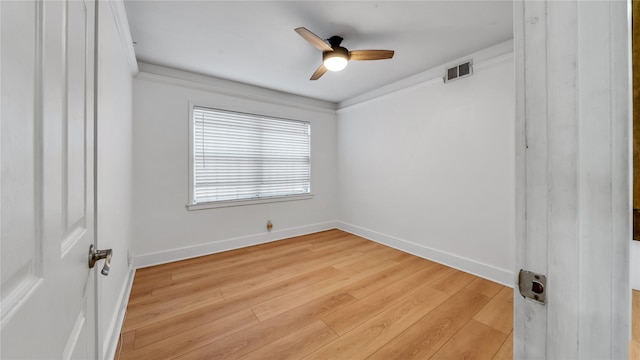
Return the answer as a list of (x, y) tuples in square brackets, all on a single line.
[(336, 57)]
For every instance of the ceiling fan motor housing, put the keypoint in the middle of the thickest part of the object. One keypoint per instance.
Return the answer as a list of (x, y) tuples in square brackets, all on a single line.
[(337, 51)]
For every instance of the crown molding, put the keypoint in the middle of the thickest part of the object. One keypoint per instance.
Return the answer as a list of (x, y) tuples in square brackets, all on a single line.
[(435, 75), (122, 24), (192, 80)]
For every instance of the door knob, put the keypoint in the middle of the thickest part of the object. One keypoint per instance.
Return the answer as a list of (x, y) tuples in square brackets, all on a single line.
[(95, 255)]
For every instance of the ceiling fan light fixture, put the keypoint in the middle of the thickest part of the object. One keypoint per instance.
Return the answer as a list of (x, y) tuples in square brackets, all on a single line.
[(335, 63), (336, 60)]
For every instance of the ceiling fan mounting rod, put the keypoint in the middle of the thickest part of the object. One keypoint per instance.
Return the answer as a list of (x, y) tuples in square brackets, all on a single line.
[(335, 41)]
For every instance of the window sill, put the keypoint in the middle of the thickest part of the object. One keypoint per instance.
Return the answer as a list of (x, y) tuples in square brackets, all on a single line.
[(232, 203)]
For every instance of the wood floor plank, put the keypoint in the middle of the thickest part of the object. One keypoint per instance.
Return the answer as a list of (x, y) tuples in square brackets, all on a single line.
[(429, 333), (453, 281), (485, 287), (221, 257), (168, 327), (325, 256), (295, 345), (268, 331), (506, 350), (151, 303), (127, 341), (229, 261), (498, 313), (280, 304), (143, 286), (334, 243), (634, 344), (283, 289), (238, 265), (183, 342), (369, 252), (150, 278), (188, 287), (635, 315), (366, 338), (382, 279), (346, 319), (305, 240), (474, 341), (318, 296), (634, 350), (277, 274), (365, 264), (140, 291), (168, 309)]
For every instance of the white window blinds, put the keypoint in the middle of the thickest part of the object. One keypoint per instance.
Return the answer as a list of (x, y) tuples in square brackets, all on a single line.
[(240, 156)]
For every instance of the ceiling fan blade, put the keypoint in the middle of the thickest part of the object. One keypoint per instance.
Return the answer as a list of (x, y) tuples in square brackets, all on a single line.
[(319, 72), (370, 54), (313, 39)]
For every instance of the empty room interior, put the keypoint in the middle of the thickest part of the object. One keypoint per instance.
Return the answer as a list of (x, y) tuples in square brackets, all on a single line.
[(319, 180)]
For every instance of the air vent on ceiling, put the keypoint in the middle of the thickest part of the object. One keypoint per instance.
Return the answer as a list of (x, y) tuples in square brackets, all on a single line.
[(459, 71)]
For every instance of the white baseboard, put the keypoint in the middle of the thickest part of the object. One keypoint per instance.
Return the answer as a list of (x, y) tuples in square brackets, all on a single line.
[(489, 272), (113, 334), (163, 257), (483, 270)]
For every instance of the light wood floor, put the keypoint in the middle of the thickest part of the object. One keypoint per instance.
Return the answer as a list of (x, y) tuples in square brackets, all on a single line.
[(330, 295)]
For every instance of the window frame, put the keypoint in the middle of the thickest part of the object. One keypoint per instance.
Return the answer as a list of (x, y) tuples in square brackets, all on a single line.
[(191, 205)]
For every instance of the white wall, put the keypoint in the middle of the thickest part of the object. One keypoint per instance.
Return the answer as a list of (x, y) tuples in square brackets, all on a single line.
[(430, 170), (164, 229), (634, 265), (114, 166)]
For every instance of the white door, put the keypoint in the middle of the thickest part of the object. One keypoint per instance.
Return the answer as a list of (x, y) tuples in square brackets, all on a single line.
[(47, 186), (573, 156)]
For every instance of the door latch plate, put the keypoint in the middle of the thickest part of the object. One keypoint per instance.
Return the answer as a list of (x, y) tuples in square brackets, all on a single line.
[(532, 286)]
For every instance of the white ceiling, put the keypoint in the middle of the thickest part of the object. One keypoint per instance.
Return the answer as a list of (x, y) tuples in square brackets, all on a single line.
[(254, 42)]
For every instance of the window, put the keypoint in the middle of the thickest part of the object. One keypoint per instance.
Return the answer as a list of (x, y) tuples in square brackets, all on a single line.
[(239, 158)]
